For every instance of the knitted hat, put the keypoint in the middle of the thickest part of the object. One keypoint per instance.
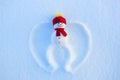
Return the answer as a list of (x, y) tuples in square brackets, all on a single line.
[(59, 18)]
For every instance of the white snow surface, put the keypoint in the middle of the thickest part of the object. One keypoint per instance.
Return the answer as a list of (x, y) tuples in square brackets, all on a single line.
[(18, 60)]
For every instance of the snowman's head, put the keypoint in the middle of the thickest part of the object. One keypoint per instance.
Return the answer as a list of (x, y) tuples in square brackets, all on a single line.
[(59, 21), (60, 25)]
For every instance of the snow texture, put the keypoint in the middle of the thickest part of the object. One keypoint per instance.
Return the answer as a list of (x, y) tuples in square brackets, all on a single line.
[(19, 17)]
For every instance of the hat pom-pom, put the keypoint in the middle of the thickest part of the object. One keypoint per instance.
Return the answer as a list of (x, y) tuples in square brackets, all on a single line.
[(58, 14)]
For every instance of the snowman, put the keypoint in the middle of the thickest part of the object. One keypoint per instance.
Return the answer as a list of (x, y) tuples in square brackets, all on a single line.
[(61, 35), (59, 23)]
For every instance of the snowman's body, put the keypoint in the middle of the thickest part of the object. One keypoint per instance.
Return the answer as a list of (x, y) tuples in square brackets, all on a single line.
[(63, 42)]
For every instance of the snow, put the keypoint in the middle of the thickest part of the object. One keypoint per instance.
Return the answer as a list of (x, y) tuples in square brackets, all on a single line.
[(18, 17)]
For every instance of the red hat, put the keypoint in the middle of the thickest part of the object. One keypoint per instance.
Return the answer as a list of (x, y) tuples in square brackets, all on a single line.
[(58, 19)]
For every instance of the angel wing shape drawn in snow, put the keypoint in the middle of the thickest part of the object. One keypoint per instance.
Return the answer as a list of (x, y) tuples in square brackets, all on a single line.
[(47, 52), (40, 38)]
